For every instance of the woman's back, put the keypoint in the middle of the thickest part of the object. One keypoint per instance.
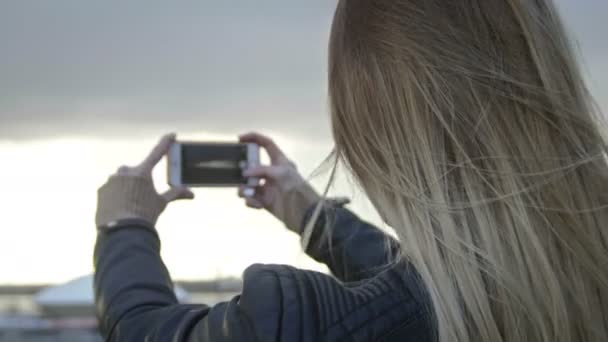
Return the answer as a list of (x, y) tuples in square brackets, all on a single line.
[(470, 128)]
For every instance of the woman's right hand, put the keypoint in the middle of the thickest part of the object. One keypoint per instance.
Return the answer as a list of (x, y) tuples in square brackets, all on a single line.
[(282, 191)]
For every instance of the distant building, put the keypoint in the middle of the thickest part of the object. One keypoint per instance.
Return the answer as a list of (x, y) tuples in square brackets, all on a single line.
[(66, 312), (75, 299)]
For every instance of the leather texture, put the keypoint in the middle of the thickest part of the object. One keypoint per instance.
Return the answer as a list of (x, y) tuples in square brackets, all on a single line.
[(367, 297)]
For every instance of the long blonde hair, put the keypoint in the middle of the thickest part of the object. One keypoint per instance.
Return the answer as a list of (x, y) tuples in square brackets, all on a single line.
[(470, 128)]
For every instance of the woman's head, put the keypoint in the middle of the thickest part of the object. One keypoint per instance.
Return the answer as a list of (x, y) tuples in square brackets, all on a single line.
[(470, 128)]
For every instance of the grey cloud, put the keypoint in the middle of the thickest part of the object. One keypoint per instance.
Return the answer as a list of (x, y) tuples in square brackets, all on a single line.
[(120, 66), (135, 67)]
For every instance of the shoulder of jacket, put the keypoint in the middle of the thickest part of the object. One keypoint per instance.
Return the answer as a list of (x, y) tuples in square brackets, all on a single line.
[(286, 302), (273, 300)]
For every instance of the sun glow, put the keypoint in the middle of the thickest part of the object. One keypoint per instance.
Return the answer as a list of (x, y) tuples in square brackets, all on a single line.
[(48, 204)]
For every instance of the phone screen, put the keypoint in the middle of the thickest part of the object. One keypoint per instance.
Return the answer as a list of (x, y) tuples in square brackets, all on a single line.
[(213, 164)]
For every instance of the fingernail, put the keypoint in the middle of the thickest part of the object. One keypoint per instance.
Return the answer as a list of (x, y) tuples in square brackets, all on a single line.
[(249, 192)]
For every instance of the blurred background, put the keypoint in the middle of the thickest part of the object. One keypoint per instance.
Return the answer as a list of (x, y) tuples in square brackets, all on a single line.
[(88, 86)]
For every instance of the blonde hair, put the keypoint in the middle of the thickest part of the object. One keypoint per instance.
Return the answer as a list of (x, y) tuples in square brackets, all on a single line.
[(470, 128)]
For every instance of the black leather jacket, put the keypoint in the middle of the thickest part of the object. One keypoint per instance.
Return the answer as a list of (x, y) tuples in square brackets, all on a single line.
[(365, 300)]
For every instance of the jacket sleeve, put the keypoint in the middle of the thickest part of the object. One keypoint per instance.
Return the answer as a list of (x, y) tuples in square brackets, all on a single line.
[(353, 249), (135, 301)]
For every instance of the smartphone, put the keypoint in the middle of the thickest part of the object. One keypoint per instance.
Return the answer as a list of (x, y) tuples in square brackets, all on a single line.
[(195, 164)]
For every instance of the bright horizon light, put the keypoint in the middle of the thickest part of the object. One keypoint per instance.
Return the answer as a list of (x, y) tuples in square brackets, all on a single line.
[(49, 198)]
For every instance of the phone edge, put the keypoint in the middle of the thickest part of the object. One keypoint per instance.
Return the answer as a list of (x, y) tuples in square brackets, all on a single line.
[(174, 165)]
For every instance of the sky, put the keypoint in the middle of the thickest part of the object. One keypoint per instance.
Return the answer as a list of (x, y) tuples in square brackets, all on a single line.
[(88, 86)]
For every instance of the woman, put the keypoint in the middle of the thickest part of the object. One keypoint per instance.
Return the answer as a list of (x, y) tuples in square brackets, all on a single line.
[(469, 127)]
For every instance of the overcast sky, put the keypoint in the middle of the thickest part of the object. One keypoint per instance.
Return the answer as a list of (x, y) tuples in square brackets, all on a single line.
[(133, 67), (118, 67), (86, 86)]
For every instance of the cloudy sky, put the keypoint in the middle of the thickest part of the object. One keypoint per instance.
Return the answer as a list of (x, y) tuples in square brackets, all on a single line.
[(87, 86)]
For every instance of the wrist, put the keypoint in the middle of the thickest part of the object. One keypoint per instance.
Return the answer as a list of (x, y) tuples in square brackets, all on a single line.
[(317, 216), (128, 198), (294, 203), (122, 224)]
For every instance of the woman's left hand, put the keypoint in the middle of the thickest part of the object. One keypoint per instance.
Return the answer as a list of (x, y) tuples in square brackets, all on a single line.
[(130, 193)]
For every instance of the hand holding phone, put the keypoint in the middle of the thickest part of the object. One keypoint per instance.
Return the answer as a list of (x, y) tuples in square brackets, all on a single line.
[(130, 192), (284, 192)]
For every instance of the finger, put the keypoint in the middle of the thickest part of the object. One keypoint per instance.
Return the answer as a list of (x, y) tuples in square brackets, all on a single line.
[(249, 192), (157, 153), (241, 191), (254, 203), (175, 194), (274, 152), (246, 191), (123, 170), (271, 172), (253, 182)]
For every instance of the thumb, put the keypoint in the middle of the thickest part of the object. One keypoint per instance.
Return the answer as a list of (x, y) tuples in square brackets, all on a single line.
[(175, 194), (272, 172)]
